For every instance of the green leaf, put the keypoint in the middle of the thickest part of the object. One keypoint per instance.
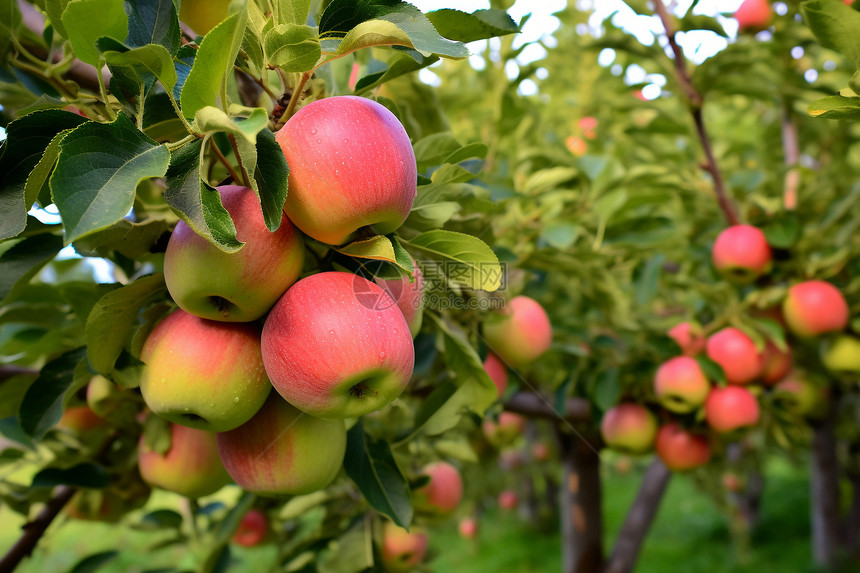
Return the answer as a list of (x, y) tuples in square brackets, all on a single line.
[(160, 519), (836, 107), (211, 120), (649, 278), (27, 139), (22, 261), (701, 22), (153, 22), (198, 204), (398, 64), (88, 20), (38, 182), (110, 322), (473, 263), (291, 11), (373, 33), (292, 47), (479, 25), (353, 552), (835, 25), (370, 464), (10, 23), (55, 9), (783, 231), (94, 562), (560, 234), (126, 237), (98, 170), (272, 176), (82, 475), (227, 527), (42, 406), (214, 61), (773, 331), (378, 248), (607, 389), (138, 62)]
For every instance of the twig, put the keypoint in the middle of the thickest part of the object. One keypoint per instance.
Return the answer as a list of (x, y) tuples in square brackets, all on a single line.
[(297, 94), (532, 405), (791, 150), (220, 156), (34, 530)]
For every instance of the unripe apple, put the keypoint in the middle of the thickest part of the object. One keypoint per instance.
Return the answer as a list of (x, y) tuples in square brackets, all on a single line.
[(497, 372), (240, 286), (402, 550), (442, 494), (252, 529), (468, 528), (689, 337), (754, 15), (843, 355), (815, 307), (521, 334), (777, 363), (282, 450), (191, 467), (629, 428), (681, 449), (737, 354), (99, 391), (80, 419), (680, 385), (508, 429), (351, 167), (803, 398), (741, 253), (203, 15), (731, 408), (408, 296), (203, 374), (335, 346), (509, 500)]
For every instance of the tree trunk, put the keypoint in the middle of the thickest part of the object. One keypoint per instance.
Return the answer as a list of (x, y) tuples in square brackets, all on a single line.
[(852, 529), (824, 496), (639, 518), (581, 507)]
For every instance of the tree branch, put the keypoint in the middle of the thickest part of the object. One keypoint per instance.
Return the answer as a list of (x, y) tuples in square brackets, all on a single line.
[(791, 150), (581, 507), (824, 495), (536, 406), (34, 530)]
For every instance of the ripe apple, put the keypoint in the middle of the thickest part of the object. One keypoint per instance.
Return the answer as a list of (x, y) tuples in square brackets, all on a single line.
[(203, 15), (240, 286), (737, 354), (80, 419), (741, 254), (408, 296), (680, 384), (351, 167), (509, 427), (576, 145), (689, 337), (629, 428), (282, 450), (776, 363), (335, 346), (521, 334), (203, 374), (402, 550), (754, 15), (442, 494), (468, 528), (252, 529), (509, 500), (497, 372), (843, 355), (803, 398), (815, 307), (731, 408), (191, 467), (681, 449)]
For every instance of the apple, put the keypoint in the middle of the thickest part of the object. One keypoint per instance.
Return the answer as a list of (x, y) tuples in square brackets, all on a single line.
[(737, 354), (681, 449), (442, 494), (521, 334), (843, 355), (576, 145), (497, 372), (680, 384), (741, 254), (776, 363), (815, 307), (509, 427), (204, 374), (203, 15), (402, 550), (623, 465), (80, 419), (540, 452), (335, 346), (100, 392), (351, 168), (468, 528), (408, 296), (732, 482), (731, 408), (282, 450), (252, 529), (754, 15), (629, 428), (803, 398), (509, 500), (689, 337)]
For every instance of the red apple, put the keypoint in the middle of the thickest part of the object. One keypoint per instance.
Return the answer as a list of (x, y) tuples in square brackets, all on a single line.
[(803, 398), (252, 529), (468, 528), (509, 500), (680, 384), (191, 467), (508, 428), (741, 253), (737, 354), (521, 334), (629, 428), (497, 372), (408, 296), (442, 494), (540, 452), (402, 550), (776, 363), (203, 374), (240, 286), (754, 15), (689, 337), (815, 307), (336, 346), (351, 167), (681, 449), (731, 408), (282, 450)]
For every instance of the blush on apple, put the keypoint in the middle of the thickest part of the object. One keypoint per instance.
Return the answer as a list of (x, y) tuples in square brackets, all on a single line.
[(509, 427), (741, 253), (497, 372), (629, 428), (252, 529), (681, 449), (815, 307), (442, 494), (509, 500), (754, 15), (731, 408), (402, 550), (468, 528), (737, 354)]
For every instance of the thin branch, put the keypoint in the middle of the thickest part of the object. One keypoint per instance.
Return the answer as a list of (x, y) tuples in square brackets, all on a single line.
[(533, 406), (791, 150), (297, 94), (34, 530), (220, 156)]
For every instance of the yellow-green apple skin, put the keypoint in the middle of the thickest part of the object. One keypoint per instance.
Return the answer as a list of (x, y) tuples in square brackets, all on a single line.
[(282, 450), (240, 286), (680, 384), (803, 398), (843, 355), (815, 307), (731, 408), (336, 346), (402, 550), (521, 334), (191, 467), (351, 167), (100, 390), (509, 427), (409, 297), (443, 493), (681, 449), (204, 374), (629, 428), (203, 15)]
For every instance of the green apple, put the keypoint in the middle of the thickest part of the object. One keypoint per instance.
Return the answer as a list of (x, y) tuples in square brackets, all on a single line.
[(843, 355)]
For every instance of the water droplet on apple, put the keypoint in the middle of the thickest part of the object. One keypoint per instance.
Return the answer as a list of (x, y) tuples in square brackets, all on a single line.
[(331, 331), (236, 400), (313, 132), (382, 355)]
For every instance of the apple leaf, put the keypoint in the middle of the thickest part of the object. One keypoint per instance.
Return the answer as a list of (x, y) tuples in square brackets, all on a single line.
[(137, 63), (153, 22), (470, 261), (55, 9), (22, 261), (479, 25), (398, 64), (94, 562), (81, 475), (160, 519), (42, 406), (835, 25), (98, 170), (88, 20), (272, 177), (210, 120), (111, 321), (378, 248), (353, 551), (370, 464), (836, 107), (373, 33), (227, 527), (292, 47), (125, 237), (291, 11)]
